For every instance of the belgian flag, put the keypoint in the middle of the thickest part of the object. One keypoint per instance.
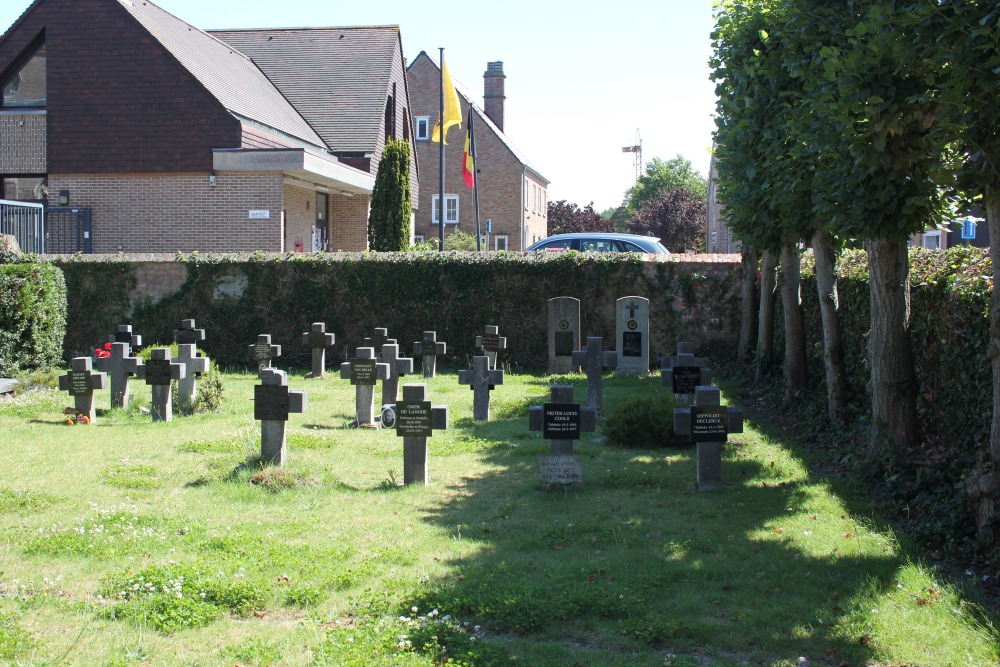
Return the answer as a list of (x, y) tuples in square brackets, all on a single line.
[(469, 157)]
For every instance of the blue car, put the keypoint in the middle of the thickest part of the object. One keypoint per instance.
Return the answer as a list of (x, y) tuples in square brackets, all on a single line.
[(601, 242)]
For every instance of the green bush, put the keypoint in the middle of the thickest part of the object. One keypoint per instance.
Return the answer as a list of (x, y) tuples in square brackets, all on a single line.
[(644, 421), (32, 316)]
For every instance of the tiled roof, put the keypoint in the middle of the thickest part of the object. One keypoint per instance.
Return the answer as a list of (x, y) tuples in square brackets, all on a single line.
[(337, 78), (227, 74)]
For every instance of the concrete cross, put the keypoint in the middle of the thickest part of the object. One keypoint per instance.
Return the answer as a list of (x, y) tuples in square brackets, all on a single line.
[(194, 366), (429, 347), (364, 370), (317, 339), (123, 334), (561, 421), (416, 420), (708, 423), (272, 402), (490, 343), (263, 351), (377, 340), (158, 373), (683, 372), (594, 359), (398, 367), (119, 367), (80, 382), (481, 381), (187, 334)]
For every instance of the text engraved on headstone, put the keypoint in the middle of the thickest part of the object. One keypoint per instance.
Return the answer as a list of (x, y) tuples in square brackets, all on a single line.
[(564, 343), (262, 353), (491, 342), (632, 343), (270, 403), (414, 419), (709, 423), (561, 469), (686, 378), (561, 421), (364, 372), (79, 383), (158, 372)]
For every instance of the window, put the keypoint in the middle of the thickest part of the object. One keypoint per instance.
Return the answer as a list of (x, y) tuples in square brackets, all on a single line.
[(931, 240), (24, 188), (500, 242), (423, 127), (450, 210), (418, 238), (525, 194), (26, 87)]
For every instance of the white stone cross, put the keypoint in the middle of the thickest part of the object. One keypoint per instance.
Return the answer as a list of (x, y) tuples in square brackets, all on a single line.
[(490, 343), (708, 423), (158, 373), (594, 359), (429, 347), (272, 402), (481, 381), (364, 370), (81, 382), (119, 367), (317, 339)]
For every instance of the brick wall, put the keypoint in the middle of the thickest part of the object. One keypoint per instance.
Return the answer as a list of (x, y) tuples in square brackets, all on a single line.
[(300, 218), (167, 213), (23, 138), (349, 223), (155, 280)]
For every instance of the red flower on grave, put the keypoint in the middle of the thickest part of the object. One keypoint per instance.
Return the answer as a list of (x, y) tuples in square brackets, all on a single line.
[(100, 353)]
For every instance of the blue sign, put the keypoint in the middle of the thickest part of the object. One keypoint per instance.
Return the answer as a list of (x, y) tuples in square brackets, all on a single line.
[(968, 228), (489, 225)]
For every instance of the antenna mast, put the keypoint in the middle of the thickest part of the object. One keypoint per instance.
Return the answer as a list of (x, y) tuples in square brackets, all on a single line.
[(637, 149)]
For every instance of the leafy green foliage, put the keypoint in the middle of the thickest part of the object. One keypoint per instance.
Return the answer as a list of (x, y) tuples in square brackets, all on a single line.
[(13, 640), (644, 421), (389, 215), (460, 241), (32, 316), (664, 176), (675, 217), (564, 217)]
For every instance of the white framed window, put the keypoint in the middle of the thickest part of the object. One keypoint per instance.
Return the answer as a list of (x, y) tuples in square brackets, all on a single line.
[(931, 240), (450, 209), (418, 238), (501, 242), (422, 127)]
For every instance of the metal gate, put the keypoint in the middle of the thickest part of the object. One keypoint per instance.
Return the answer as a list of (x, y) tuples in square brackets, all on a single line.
[(25, 222), (68, 230)]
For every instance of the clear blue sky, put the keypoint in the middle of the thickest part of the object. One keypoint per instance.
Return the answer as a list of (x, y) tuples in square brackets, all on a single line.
[(582, 78)]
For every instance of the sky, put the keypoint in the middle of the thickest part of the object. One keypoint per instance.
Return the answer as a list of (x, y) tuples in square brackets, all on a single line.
[(583, 79)]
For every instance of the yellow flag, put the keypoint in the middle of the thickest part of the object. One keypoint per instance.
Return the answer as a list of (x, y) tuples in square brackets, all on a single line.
[(452, 109)]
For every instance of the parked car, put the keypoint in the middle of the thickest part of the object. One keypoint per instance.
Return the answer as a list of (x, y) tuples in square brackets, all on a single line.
[(601, 242)]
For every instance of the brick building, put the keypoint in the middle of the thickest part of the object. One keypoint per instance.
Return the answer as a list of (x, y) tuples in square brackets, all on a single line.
[(177, 139), (512, 193)]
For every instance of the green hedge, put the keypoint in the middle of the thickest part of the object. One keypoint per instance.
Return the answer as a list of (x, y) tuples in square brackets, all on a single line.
[(32, 315), (455, 294)]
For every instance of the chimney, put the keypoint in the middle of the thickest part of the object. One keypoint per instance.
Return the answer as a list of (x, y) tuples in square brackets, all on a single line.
[(493, 96)]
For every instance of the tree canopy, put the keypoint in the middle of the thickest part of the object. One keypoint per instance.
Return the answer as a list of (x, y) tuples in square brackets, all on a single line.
[(565, 217)]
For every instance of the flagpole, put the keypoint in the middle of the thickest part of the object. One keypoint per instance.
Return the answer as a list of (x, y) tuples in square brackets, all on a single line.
[(441, 159), (475, 177)]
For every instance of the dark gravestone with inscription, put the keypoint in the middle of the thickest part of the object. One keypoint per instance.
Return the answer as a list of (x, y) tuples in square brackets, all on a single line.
[(317, 340), (416, 420), (632, 341), (685, 379), (123, 334), (158, 373), (364, 370), (429, 347), (263, 351), (272, 404), (708, 424), (80, 382), (684, 372), (490, 343), (564, 333), (561, 421), (188, 334), (594, 360)]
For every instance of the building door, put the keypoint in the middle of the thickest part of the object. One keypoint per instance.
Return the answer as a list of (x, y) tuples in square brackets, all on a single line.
[(321, 232)]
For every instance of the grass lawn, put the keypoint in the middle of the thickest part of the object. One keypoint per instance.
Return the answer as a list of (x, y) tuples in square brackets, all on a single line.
[(133, 543)]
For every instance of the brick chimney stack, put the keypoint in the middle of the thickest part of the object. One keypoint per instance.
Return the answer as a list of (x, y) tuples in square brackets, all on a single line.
[(493, 96)]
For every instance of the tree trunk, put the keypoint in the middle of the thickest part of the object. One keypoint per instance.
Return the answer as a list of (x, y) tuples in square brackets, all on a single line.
[(791, 303), (748, 292), (765, 319), (833, 338), (893, 384)]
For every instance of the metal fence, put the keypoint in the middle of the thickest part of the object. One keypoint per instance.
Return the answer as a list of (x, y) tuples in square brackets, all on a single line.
[(25, 222)]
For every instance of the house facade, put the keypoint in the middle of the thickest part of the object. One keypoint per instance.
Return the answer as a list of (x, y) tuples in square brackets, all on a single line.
[(178, 140), (513, 194)]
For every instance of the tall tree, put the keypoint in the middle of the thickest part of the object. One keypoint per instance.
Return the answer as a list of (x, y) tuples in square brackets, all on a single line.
[(676, 216), (389, 216), (665, 175), (565, 217)]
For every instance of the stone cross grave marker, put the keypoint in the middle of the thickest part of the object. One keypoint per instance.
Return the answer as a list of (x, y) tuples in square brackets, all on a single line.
[(123, 334), (564, 333), (416, 420), (490, 343), (194, 367), (594, 359), (377, 340), (632, 335), (398, 367), (317, 339), (272, 403), (481, 380), (119, 367), (364, 370), (684, 372), (561, 421), (429, 347), (158, 373), (188, 334), (263, 351), (708, 423), (81, 381)]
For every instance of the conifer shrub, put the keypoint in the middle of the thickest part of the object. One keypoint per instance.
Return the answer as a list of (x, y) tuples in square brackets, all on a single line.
[(645, 422)]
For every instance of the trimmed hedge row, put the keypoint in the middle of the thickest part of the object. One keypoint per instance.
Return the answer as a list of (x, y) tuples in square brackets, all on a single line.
[(455, 294), (32, 315)]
